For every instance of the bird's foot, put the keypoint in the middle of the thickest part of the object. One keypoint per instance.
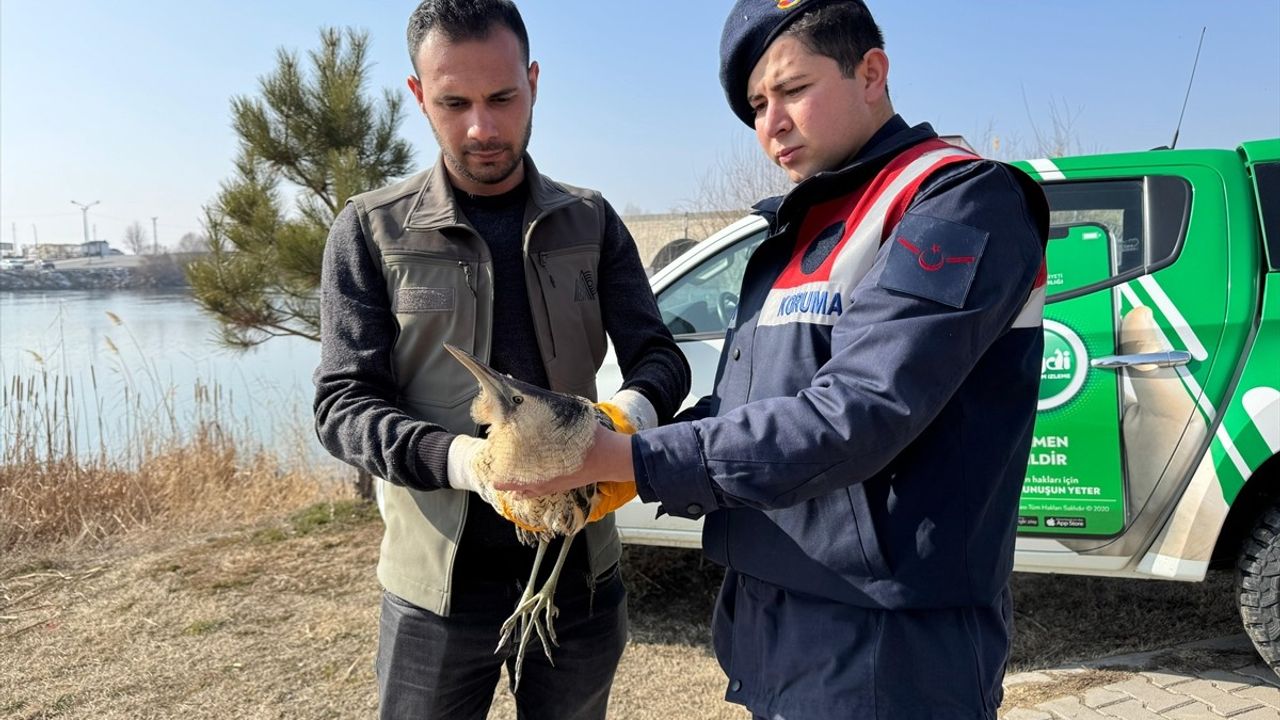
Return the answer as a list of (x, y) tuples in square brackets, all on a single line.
[(535, 613)]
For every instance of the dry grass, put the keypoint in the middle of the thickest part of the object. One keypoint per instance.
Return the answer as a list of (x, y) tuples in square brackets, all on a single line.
[(1061, 619), (273, 620), (278, 619), (192, 469), (200, 483)]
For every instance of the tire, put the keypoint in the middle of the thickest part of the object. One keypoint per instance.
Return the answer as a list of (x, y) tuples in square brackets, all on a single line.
[(1258, 586)]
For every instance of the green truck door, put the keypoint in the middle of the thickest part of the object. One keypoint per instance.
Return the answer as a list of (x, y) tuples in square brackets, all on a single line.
[(1136, 302), (1074, 482)]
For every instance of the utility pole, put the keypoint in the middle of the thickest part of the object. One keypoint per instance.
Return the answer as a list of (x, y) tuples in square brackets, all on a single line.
[(15, 238), (84, 210), (155, 237), (35, 237)]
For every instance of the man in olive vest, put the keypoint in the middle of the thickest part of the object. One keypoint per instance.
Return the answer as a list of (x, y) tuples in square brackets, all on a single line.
[(482, 252)]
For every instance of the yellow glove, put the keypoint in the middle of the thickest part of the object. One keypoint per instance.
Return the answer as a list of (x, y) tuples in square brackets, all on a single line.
[(613, 495)]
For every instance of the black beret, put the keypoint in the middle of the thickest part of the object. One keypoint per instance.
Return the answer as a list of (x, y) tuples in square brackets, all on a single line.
[(751, 26)]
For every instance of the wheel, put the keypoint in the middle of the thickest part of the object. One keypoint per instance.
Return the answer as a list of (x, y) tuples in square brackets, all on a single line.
[(1258, 586)]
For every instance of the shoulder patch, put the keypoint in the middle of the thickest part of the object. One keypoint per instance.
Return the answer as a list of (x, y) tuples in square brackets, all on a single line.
[(933, 259)]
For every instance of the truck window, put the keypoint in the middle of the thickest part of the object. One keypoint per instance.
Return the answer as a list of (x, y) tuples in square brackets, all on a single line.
[(1266, 177), (1140, 222)]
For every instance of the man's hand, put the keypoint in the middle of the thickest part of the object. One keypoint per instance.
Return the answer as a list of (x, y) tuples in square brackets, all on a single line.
[(609, 460)]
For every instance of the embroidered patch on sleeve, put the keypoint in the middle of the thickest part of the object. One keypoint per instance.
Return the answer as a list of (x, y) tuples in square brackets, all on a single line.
[(933, 259)]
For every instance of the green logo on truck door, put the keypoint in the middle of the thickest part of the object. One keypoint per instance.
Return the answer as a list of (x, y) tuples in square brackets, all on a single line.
[(1063, 368)]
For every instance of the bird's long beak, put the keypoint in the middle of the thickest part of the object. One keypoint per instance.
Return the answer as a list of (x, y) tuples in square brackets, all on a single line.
[(501, 396), (492, 383)]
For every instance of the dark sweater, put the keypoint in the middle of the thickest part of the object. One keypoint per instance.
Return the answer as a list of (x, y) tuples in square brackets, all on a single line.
[(499, 219)]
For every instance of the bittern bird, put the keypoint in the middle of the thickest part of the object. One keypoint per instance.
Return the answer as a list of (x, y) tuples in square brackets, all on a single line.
[(536, 434)]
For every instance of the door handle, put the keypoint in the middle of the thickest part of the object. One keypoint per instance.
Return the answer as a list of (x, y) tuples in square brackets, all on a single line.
[(1172, 358)]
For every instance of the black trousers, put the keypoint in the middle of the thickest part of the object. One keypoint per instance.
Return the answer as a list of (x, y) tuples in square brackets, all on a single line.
[(444, 668)]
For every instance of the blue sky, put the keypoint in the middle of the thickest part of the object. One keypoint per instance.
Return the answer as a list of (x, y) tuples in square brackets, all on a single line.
[(128, 103)]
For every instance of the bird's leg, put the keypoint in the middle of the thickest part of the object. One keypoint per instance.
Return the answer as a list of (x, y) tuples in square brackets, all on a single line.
[(533, 604), (549, 590), (525, 597)]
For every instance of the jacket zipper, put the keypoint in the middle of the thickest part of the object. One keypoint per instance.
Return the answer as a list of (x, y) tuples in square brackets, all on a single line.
[(544, 254), (466, 271), (435, 257), (441, 260), (542, 260)]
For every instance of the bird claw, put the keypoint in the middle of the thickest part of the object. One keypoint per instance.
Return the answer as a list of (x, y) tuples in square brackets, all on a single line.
[(535, 613)]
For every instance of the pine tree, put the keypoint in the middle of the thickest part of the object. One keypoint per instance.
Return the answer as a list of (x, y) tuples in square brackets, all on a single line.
[(309, 139)]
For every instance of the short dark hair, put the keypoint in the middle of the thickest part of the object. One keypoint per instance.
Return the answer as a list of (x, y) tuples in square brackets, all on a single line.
[(464, 20), (842, 31)]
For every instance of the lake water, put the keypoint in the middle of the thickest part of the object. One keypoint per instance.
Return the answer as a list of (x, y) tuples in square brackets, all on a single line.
[(159, 350)]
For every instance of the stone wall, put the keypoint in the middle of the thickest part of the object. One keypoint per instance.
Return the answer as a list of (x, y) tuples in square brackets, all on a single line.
[(651, 232)]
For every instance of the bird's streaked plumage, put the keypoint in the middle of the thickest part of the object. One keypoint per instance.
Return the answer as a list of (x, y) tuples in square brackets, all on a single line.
[(533, 434)]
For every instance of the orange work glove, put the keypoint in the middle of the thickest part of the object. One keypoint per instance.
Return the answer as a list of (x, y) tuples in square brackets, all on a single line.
[(613, 495)]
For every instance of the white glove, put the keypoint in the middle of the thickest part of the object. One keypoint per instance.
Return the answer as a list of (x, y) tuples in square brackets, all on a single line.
[(460, 472), (636, 407)]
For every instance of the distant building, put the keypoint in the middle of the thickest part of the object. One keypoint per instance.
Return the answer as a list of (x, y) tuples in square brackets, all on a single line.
[(67, 251), (6, 249), (95, 248), (959, 141), (54, 251)]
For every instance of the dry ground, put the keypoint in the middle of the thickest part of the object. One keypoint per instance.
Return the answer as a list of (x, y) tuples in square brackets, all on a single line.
[(278, 619)]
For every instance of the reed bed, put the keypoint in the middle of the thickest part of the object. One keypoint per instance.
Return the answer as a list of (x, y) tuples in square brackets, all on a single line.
[(70, 471)]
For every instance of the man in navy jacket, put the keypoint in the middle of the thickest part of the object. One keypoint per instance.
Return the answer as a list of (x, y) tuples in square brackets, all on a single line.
[(860, 461)]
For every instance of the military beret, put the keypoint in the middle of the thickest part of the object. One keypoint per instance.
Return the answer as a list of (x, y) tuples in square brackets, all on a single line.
[(751, 26)]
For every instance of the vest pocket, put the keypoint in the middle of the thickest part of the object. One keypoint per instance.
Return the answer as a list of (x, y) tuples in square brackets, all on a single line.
[(569, 278), (434, 300)]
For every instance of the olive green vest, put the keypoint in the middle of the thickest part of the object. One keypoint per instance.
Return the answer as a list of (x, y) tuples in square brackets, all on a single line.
[(439, 279)]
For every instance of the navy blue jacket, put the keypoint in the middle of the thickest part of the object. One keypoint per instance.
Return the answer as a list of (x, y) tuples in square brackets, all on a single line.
[(875, 461)]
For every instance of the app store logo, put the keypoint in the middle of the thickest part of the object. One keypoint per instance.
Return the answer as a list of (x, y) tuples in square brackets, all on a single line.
[(1077, 523)]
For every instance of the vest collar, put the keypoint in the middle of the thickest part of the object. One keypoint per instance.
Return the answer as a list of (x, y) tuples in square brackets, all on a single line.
[(434, 206)]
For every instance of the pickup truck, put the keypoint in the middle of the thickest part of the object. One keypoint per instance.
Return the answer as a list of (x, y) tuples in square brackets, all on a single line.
[(1157, 443)]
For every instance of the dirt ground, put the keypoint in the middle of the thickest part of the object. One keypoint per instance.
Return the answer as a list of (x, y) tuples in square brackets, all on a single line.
[(278, 620)]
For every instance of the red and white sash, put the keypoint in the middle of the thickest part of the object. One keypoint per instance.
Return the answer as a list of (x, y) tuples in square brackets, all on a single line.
[(868, 215)]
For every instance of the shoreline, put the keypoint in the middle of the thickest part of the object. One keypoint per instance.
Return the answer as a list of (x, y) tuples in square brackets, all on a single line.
[(130, 272)]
